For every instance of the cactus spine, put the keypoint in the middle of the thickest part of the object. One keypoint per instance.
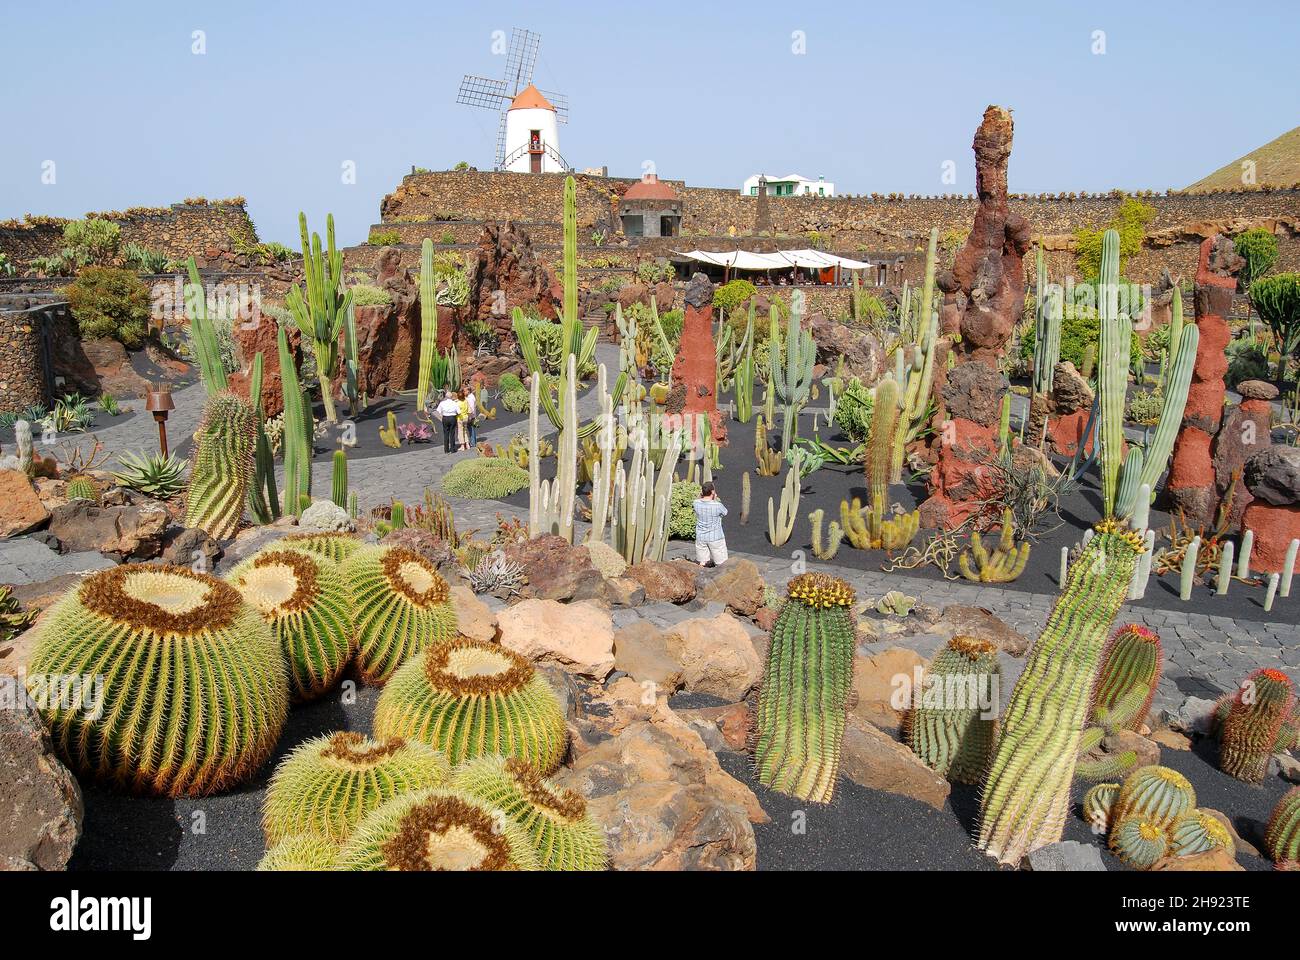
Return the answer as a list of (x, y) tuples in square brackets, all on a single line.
[(304, 853), (319, 317), (1027, 791), (221, 466), (1253, 726), (951, 725), (803, 700)]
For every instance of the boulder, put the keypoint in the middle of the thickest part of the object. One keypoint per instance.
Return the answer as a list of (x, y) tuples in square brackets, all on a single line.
[(129, 532), (641, 651), (623, 592), (1244, 432), (325, 516), (606, 559), (189, 546), (21, 509), (863, 355), (716, 655), (739, 585), (260, 335), (874, 759), (473, 617), (1275, 528), (1195, 715), (556, 569), (674, 581), (974, 392), (504, 273), (880, 682), (1273, 476), (577, 637), (1065, 856), (113, 369), (733, 721), (40, 802), (960, 620), (1217, 860)]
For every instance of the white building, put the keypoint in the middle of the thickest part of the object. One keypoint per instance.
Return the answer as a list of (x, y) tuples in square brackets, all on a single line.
[(791, 185), (532, 135)]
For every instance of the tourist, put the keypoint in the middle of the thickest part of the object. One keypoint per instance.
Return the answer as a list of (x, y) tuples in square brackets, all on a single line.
[(472, 424), (710, 544), (462, 420), (448, 410)]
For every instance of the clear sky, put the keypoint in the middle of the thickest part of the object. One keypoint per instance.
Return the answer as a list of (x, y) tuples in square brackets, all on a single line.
[(710, 92)]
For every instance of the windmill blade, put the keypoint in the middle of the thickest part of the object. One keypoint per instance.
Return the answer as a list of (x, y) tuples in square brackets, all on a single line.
[(482, 92), (521, 57), (501, 142), (560, 102)]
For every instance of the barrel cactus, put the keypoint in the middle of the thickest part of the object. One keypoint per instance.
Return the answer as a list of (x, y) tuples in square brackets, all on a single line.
[(1139, 842), (438, 829), (337, 546), (468, 699), (556, 819), (952, 724), (304, 599), (803, 702), (185, 691), (1097, 805), (1282, 835), (1130, 671), (1254, 724), (1197, 832), (1156, 794), (221, 466), (400, 605), (328, 784), (301, 852)]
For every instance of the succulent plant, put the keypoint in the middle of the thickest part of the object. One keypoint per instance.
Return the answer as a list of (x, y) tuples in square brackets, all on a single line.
[(400, 605), (1097, 804), (1139, 842), (951, 725), (497, 572), (301, 852), (484, 478), (1197, 832), (1130, 672), (803, 701), (13, 618), (1002, 564), (81, 488), (221, 466), (468, 699), (337, 546), (1156, 794), (895, 603), (1254, 724), (303, 598), (438, 829), (555, 818), (185, 690), (157, 475), (1282, 835), (328, 784)]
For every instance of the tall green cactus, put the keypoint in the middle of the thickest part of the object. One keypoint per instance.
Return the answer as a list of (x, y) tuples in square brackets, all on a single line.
[(339, 490), (1027, 791), (263, 498), (1047, 330), (203, 336), (803, 701), (952, 721), (880, 447), (298, 432), (428, 323), (351, 367), (222, 465), (319, 316), (1112, 375), (793, 382), (780, 523), (914, 393)]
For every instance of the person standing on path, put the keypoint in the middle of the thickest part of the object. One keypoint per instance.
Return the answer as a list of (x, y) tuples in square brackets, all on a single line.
[(448, 410), (471, 426), (710, 543)]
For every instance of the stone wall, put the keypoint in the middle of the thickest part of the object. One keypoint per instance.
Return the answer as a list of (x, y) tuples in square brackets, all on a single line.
[(177, 231), (24, 360)]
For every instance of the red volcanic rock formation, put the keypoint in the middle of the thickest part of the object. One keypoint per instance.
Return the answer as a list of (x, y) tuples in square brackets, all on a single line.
[(694, 374), (1191, 484), (984, 295), (504, 273)]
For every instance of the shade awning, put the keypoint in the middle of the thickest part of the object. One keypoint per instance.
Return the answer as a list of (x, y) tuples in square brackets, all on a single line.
[(780, 260)]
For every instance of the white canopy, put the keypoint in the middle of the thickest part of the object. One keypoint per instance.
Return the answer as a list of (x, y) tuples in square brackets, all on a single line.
[(781, 260)]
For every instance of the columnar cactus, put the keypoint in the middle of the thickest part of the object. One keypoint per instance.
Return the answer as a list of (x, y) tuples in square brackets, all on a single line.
[(1130, 672), (1155, 794), (305, 601), (1006, 562), (319, 315), (328, 784), (468, 699), (952, 723), (1139, 842), (803, 701), (438, 829), (1282, 836), (1252, 728), (1027, 791), (428, 323), (221, 466), (400, 605), (303, 853), (160, 680), (792, 381), (555, 818), (339, 485)]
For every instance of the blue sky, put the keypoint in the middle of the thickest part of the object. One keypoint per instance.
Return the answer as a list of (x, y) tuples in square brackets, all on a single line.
[(709, 92)]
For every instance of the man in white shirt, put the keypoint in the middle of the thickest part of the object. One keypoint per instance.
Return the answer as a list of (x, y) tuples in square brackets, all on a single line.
[(448, 410)]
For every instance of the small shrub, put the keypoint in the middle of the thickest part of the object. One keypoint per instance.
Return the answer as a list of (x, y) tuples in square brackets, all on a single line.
[(853, 412), (485, 478), (681, 509), (368, 295), (1145, 407), (731, 295), (385, 238), (110, 302), (98, 239), (1078, 330)]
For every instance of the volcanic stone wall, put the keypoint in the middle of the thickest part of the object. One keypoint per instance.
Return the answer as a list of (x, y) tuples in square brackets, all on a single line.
[(177, 231), (24, 374)]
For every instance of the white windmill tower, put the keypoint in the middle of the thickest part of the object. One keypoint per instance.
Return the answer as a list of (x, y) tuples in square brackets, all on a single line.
[(528, 139)]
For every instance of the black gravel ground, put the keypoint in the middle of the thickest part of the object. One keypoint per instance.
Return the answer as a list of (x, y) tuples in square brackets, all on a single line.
[(862, 829)]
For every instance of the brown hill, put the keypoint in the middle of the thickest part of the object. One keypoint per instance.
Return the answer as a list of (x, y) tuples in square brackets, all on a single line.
[(1277, 163)]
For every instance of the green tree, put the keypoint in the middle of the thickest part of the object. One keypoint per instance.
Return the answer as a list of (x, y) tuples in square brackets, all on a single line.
[(110, 302)]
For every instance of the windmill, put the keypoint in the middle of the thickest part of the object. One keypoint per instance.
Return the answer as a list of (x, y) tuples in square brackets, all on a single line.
[(491, 94)]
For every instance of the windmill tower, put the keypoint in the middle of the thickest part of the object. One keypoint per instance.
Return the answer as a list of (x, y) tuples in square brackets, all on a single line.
[(528, 138)]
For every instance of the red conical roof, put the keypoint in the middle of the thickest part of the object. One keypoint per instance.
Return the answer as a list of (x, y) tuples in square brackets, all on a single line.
[(530, 98)]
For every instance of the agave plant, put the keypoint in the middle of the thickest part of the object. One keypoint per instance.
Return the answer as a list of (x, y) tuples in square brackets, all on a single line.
[(496, 572), (158, 476)]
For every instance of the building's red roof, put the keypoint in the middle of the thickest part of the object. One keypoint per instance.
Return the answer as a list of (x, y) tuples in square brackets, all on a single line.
[(650, 188), (530, 98)]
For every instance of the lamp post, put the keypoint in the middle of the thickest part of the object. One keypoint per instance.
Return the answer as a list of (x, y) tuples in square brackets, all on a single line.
[(160, 404)]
